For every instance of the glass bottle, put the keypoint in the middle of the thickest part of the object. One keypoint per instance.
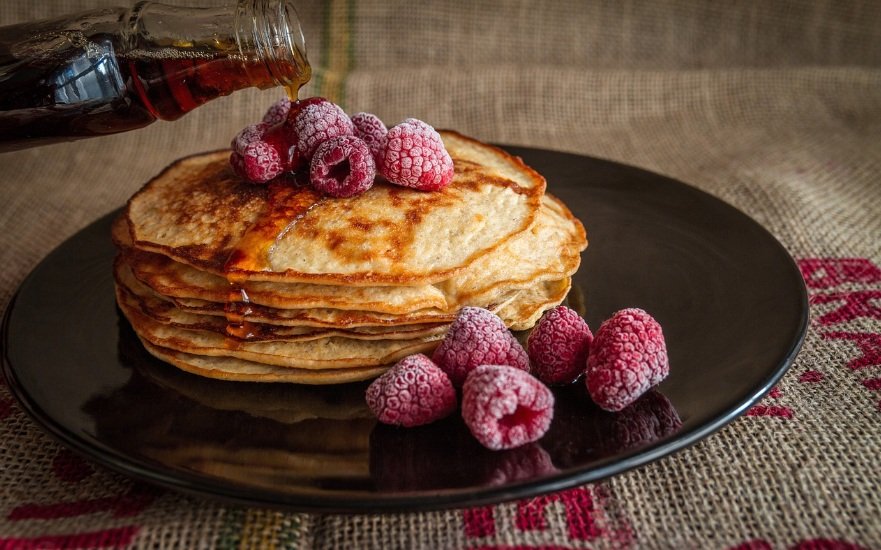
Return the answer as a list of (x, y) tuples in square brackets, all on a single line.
[(111, 70)]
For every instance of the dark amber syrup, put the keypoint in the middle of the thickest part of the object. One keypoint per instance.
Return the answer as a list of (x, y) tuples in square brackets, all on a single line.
[(89, 90), (286, 204)]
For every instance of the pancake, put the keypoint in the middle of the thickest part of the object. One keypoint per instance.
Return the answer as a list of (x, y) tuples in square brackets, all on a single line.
[(550, 249), (165, 312), (325, 353), (275, 283), (199, 213), (523, 312), (171, 278), (232, 368)]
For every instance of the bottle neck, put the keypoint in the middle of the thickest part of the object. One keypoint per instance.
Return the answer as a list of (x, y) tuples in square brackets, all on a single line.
[(180, 58), (269, 30)]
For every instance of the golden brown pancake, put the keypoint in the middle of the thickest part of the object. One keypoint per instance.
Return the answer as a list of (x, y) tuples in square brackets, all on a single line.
[(232, 368), (235, 281), (199, 213), (550, 249), (166, 312)]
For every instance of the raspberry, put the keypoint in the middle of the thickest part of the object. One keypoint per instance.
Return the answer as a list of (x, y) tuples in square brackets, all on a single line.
[(506, 407), (415, 157), (413, 392), (628, 356), (342, 167), (558, 346), (278, 113), (259, 162), (311, 123), (248, 135), (374, 133), (478, 337)]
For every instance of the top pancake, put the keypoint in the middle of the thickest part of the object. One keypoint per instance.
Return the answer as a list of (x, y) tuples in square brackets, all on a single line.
[(199, 213)]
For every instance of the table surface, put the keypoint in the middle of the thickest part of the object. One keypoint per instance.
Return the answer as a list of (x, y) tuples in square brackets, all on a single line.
[(774, 109)]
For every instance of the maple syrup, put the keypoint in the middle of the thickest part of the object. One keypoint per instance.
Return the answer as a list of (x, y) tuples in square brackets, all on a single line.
[(287, 204), (112, 70)]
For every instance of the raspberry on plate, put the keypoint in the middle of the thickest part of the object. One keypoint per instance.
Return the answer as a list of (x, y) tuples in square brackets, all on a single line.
[(311, 123), (372, 130), (248, 135), (558, 346), (478, 337), (415, 157), (278, 113), (259, 162), (413, 392), (342, 167), (628, 356), (506, 407)]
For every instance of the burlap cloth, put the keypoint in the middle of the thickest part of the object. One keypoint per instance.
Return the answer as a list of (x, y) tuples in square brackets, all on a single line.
[(773, 107)]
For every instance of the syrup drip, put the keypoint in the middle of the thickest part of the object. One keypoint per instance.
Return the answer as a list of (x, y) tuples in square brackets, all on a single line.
[(286, 205), (237, 309)]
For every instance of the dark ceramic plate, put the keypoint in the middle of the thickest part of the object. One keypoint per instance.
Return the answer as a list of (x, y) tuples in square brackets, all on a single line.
[(732, 303)]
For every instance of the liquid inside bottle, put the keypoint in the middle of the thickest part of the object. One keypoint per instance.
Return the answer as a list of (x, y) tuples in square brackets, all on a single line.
[(112, 70)]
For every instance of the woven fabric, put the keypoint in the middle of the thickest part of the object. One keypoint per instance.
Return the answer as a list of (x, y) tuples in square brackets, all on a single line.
[(771, 106)]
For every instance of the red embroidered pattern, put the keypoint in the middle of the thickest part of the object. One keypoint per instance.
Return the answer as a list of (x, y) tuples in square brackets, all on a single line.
[(69, 467), (859, 300), (770, 410), (856, 304), (479, 522), (580, 512), (777, 411), (109, 538), (833, 272), (128, 504), (586, 520), (811, 377), (868, 344)]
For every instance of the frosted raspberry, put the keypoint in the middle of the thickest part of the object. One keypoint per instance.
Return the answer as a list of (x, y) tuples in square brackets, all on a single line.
[(258, 163), (278, 113), (478, 337), (342, 167), (506, 407), (372, 130), (415, 156), (248, 135), (313, 122), (628, 356), (558, 346), (413, 392)]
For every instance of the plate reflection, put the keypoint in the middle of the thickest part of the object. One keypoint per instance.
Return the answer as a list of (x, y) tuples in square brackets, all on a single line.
[(288, 437)]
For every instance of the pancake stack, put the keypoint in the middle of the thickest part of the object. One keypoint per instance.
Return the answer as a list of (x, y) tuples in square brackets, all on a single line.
[(277, 283)]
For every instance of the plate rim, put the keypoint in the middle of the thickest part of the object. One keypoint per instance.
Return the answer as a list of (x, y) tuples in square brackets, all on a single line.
[(343, 502)]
